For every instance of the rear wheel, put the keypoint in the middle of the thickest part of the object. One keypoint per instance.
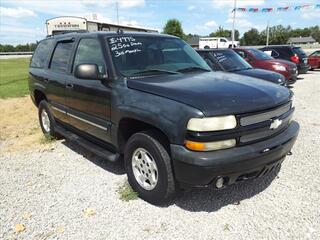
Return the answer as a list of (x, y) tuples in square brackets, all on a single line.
[(148, 167), (46, 119)]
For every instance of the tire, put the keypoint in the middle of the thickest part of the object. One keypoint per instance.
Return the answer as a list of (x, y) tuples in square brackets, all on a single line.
[(43, 112), (147, 146)]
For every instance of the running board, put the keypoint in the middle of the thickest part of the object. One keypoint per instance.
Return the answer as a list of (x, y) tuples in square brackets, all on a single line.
[(94, 148)]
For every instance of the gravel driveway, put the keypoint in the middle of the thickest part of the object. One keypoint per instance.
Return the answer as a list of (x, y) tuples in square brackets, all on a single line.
[(67, 193)]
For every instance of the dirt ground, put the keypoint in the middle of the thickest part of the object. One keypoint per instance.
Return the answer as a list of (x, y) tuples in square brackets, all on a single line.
[(19, 127)]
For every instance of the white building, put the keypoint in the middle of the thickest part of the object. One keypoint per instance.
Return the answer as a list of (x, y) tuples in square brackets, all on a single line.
[(68, 24)]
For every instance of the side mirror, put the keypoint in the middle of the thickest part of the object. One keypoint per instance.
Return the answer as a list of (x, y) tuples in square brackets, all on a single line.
[(88, 71)]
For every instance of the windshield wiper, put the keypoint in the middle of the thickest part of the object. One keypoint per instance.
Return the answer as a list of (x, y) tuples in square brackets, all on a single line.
[(192, 69), (154, 71)]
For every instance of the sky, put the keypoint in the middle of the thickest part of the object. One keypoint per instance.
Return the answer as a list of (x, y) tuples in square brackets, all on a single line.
[(23, 21)]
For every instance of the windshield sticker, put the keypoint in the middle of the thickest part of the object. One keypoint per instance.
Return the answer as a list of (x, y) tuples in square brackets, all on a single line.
[(124, 45)]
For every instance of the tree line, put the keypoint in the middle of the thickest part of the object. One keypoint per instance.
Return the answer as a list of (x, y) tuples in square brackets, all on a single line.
[(277, 34), (19, 48)]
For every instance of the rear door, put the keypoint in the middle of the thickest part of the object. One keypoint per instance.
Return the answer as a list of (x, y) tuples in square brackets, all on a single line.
[(57, 75), (88, 100)]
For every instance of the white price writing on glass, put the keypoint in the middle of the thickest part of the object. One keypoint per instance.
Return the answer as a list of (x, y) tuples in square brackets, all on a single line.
[(118, 46), (123, 52)]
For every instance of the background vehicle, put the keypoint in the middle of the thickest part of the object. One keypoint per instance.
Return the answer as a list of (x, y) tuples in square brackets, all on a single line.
[(314, 60), (259, 59), (216, 42), (290, 53), (228, 61), (152, 99)]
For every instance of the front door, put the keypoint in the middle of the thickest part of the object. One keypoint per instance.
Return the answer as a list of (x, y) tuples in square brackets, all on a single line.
[(88, 100)]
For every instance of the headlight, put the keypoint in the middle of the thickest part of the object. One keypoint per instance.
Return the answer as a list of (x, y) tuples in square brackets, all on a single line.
[(212, 123), (209, 146), (279, 68)]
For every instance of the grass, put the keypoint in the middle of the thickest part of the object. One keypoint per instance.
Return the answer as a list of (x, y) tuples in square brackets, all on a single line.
[(14, 77), (126, 193), (46, 138)]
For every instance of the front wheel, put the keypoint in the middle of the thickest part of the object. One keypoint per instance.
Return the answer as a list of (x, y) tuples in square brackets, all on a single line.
[(148, 167)]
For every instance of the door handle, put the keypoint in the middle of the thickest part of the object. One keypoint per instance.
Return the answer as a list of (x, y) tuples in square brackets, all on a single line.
[(69, 86)]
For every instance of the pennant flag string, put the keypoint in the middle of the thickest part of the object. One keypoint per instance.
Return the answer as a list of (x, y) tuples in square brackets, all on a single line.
[(276, 9)]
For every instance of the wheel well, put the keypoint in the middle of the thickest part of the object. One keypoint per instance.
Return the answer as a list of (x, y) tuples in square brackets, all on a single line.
[(39, 96), (129, 126)]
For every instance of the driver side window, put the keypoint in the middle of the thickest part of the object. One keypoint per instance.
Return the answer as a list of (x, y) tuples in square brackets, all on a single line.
[(89, 51)]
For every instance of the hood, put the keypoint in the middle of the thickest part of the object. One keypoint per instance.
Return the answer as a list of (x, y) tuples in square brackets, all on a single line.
[(284, 62), (215, 93), (263, 74)]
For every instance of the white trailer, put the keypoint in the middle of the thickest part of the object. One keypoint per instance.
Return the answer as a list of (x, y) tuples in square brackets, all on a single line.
[(216, 42), (70, 24)]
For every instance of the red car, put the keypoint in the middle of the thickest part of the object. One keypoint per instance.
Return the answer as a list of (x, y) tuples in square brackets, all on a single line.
[(314, 60), (259, 59)]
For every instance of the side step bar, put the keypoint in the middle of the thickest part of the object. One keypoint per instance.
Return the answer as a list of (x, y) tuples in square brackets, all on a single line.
[(96, 149)]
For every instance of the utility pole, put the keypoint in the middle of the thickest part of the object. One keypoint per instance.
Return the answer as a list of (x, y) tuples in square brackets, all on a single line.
[(267, 43), (117, 9), (234, 19)]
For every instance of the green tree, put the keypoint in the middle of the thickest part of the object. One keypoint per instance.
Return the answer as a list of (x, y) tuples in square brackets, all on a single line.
[(173, 27), (221, 32), (251, 37)]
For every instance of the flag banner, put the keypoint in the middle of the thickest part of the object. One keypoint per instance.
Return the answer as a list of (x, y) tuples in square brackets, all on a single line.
[(277, 9)]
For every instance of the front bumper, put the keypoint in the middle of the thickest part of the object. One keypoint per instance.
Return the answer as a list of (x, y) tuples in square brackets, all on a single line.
[(202, 168)]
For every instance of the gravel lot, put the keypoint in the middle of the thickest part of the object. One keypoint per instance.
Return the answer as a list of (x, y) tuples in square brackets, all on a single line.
[(64, 192)]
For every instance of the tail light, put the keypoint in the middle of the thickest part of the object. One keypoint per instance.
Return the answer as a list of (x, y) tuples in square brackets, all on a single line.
[(295, 59)]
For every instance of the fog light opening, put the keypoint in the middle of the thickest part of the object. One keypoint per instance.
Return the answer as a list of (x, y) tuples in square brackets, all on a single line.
[(220, 182)]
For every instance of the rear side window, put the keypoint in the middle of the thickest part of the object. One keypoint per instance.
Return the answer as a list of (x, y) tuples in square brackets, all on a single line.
[(41, 54), (61, 56)]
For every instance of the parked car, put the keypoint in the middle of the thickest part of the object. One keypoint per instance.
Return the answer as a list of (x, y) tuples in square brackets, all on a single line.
[(289, 53), (227, 60), (153, 100), (261, 60), (314, 60), (216, 42)]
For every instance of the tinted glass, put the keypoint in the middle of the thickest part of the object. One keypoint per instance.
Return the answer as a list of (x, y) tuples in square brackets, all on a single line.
[(299, 51), (230, 61), (316, 54), (41, 54), (61, 56), (241, 53), (132, 55), (89, 51), (259, 54)]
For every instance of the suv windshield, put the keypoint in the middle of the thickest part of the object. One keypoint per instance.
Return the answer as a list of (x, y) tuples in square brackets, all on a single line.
[(230, 60), (143, 55), (260, 54)]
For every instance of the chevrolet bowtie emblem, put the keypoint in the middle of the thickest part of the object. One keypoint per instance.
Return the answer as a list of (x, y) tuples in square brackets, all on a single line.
[(275, 124)]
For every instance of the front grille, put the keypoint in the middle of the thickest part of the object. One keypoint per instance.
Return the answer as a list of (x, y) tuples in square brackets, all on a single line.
[(283, 113), (261, 117)]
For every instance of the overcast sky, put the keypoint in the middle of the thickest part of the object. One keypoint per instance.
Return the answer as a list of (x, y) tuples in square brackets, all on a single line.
[(24, 21)]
